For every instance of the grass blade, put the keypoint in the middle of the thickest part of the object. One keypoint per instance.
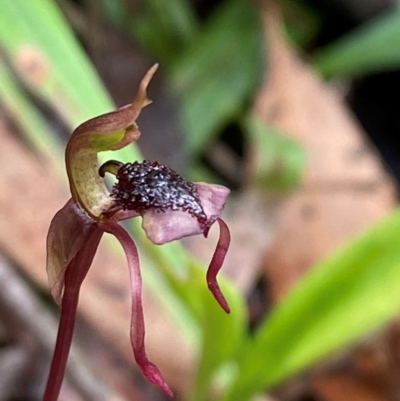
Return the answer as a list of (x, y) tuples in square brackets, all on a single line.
[(351, 293)]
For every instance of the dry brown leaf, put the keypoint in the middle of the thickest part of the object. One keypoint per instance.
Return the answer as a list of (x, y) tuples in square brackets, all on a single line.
[(344, 188), (344, 387)]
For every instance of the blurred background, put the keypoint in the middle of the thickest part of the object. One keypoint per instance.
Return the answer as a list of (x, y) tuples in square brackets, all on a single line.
[(293, 104)]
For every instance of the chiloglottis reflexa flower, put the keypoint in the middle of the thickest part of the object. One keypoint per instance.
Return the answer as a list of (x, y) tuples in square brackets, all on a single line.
[(170, 207)]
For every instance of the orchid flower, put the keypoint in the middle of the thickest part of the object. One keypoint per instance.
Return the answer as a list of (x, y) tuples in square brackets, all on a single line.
[(170, 207)]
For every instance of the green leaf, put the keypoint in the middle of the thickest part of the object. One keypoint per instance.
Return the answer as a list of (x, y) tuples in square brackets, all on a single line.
[(370, 48), (351, 293), (27, 117), (223, 336), (44, 52), (278, 160), (219, 71), (302, 22), (165, 28)]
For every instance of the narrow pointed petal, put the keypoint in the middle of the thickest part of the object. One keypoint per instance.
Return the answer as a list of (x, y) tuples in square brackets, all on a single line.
[(109, 131), (69, 232), (75, 272), (175, 224), (150, 371), (216, 264)]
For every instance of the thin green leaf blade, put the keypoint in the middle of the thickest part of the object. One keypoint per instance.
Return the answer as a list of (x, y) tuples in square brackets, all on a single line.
[(370, 48), (223, 335), (36, 34), (349, 294), (30, 121), (219, 71)]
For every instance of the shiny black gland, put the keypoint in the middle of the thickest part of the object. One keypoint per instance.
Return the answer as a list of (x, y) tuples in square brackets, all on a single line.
[(145, 185)]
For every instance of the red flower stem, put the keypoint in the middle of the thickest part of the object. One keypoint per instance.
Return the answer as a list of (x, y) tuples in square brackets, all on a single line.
[(74, 276)]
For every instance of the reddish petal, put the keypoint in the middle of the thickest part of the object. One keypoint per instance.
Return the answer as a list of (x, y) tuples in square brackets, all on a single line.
[(212, 197), (69, 231), (150, 371), (74, 275), (109, 131), (162, 227), (216, 264), (175, 224)]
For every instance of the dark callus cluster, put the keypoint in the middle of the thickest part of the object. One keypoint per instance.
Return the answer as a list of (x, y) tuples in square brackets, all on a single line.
[(145, 185)]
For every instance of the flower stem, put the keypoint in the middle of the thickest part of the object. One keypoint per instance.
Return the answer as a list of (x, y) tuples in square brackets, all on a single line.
[(74, 275)]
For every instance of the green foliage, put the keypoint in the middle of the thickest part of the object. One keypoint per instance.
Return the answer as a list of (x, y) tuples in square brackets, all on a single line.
[(165, 28), (218, 72), (351, 293), (372, 47), (27, 117), (223, 337), (214, 67), (278, 161), (36, 39), (302, 22)]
